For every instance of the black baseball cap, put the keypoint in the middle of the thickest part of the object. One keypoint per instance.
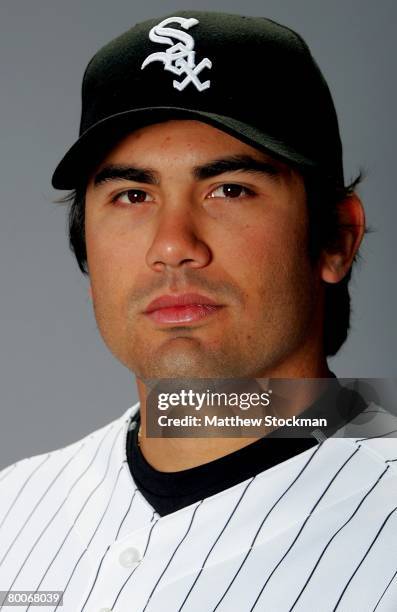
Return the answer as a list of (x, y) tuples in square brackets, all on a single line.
[(247, 76)]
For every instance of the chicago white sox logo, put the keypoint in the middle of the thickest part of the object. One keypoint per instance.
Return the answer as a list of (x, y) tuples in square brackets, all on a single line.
[(179, 58)]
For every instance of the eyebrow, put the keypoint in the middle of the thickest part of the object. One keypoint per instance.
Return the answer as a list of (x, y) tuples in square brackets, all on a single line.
[(235, 163), (125, 173), (232, 163)]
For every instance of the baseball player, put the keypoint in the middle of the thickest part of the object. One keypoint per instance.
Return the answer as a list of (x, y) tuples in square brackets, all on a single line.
[(210, 212)]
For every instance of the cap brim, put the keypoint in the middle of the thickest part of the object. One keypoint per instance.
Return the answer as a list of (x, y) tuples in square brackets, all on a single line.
[(88, 151)]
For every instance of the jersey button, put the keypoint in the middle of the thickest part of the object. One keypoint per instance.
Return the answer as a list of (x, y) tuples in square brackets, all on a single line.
[(129, 557)]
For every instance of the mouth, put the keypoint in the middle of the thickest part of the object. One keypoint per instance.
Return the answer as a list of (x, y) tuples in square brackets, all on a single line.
[(181, 309)]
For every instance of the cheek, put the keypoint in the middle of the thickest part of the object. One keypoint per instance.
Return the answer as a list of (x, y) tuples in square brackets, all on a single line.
[(268, 246), (113, 257)]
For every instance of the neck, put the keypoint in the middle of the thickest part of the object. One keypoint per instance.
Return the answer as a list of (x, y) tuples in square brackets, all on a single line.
[(175, 454)]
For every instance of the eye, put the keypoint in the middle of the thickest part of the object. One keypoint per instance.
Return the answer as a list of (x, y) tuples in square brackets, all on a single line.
[(231, 191), (131, 196)]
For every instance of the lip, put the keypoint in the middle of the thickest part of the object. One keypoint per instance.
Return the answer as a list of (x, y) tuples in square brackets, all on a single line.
[(184, 308)]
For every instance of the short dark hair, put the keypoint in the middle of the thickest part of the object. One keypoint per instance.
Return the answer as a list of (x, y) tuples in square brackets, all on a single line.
[(325, 230), (324, 200)]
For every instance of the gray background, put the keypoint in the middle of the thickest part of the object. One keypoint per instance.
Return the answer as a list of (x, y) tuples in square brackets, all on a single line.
[(57, 379)]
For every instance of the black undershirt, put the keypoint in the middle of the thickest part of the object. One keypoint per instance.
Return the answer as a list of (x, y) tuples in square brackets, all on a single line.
[(168, 492)]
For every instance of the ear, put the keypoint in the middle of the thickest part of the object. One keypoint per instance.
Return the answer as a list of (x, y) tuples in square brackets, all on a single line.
[(336, 263)]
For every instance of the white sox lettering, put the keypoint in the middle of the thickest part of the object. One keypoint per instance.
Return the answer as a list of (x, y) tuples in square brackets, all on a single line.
[(179, 58)]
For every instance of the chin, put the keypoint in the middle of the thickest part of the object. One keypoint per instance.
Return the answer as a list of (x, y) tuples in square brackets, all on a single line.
[(177, 358), (186, 366), (184, 357), (177, 369)]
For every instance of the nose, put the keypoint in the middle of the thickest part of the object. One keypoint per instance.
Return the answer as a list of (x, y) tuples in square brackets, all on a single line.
[(176, 242)]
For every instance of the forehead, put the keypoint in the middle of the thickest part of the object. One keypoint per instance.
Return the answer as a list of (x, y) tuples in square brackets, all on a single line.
[(191, 141)]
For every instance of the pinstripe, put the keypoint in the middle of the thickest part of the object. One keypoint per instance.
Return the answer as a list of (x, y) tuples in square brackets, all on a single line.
[(102, 531), (39, 502), (384, 592), (107, 549), (335, 534), (388, 433), (364, 557), (95, 578), (126, 514), (172, 556), (304, 524), (59, 508), (135, 568), (216, 541), (290, 486), (36, 469), (94, 533), (80, 512)]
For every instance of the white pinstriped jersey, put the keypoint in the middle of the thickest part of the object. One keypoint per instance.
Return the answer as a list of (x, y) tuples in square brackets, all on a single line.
[(314, 533)]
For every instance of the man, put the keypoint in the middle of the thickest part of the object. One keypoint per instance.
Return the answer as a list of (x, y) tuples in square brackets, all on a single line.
[(210, 211)]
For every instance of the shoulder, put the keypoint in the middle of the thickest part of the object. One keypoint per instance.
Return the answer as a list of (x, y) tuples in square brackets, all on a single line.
[(25, 482), (375, 430)]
